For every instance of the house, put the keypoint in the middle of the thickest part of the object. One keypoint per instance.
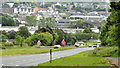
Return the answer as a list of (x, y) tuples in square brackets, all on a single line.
[(10, 4), (26, 10), (90, 18), (63, 23)]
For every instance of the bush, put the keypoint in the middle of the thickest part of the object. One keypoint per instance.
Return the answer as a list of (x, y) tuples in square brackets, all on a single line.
[(7, 44), (3, 47), (107, 51), (45, 38)]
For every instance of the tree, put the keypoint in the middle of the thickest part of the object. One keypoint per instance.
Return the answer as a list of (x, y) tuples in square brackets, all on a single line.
[(12, 35), (87, 30), (31, 20), (3, 38), (16, 4), (83, 24), (7, 20), (45, 38), (60, 33), (110, 31), (51, 22), (5, 33), (19, 40), (23, 32), (86, 36), (70, 38), (48, 29)]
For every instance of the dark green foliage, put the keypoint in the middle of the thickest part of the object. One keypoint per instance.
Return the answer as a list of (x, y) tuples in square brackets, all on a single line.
[(5, 6), (23, 32), (12, 35), (31, 20), (19, 40), (46, 5), (16, 4), (108, 51), (86, 36), (70, 38), (87, 30), (45, 38), (3, 38), (110, 35), (8, 44), (8, 21), (81, 24), (60, 33), (48, 29), (5, 33)]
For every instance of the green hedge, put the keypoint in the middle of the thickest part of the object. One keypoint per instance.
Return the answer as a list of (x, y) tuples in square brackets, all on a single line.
[(108, 51)]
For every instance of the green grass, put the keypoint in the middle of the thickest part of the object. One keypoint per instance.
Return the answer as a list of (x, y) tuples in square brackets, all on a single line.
[(29, 50), (82, 59)]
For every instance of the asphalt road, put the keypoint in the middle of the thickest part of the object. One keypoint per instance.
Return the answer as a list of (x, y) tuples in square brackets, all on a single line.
[(35, 59)]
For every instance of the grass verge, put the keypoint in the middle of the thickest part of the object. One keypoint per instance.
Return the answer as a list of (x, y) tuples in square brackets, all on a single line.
[(29, 50), (82, 59)]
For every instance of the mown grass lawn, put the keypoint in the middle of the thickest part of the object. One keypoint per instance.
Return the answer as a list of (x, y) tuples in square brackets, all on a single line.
[(29, 50), (82, 59)]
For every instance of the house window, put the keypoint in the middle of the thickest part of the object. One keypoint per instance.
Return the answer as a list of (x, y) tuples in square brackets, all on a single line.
[(32, 10), (28, 10), (17, 9), (21, 9), (25, 9)]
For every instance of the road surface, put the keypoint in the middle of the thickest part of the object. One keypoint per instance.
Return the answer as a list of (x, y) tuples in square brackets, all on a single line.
[(35, 59)]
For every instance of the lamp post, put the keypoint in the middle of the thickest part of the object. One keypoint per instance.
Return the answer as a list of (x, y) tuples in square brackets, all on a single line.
[(45, 24), (92, 39)]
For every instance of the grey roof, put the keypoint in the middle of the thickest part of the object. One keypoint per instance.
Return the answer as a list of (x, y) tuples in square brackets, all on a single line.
[(64, 20)]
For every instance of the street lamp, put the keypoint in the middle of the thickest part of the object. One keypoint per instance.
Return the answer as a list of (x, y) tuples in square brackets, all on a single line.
[(45, 24), (92, 39)]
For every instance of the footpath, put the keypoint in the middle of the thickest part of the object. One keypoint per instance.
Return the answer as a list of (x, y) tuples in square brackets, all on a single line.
[(115, 61)]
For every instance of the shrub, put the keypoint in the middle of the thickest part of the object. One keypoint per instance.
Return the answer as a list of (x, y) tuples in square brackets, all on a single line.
[(8, 44), (3, 47), (107, 51)]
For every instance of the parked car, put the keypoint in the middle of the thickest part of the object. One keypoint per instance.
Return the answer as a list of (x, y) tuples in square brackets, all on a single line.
[(77, 44), (90, 46), (57, 46), (94, 46)]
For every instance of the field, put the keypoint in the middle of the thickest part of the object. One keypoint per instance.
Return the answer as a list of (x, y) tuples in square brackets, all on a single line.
[(80, 59), (29, 50)]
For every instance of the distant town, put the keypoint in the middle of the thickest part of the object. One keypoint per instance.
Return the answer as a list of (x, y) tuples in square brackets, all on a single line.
[(65, 15)]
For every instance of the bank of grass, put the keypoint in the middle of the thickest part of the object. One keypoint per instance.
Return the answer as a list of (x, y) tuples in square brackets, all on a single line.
[(82, 59), (108, 52), (30, 50)]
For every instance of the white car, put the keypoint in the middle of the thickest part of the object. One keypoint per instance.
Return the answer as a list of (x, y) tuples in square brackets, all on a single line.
[(90, 46), (77, 44), (57, 46)]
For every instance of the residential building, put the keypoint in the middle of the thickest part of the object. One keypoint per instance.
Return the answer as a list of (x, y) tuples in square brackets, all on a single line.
[(26, 10)]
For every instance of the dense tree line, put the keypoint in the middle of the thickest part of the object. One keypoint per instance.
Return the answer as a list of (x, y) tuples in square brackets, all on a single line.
[(46, 35), (8, 21), (110, 32), (81, 24)]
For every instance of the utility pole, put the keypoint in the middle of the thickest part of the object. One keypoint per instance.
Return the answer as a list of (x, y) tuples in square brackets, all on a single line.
[(50, 55)]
